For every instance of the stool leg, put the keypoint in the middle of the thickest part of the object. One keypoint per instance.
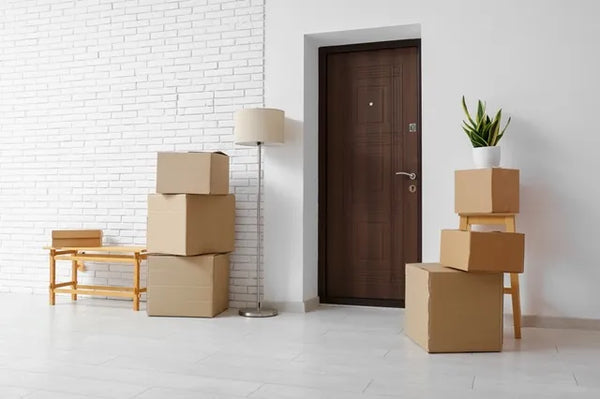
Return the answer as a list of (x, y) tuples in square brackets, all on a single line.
[(516, 303), (510, 224), (74, 278), (52, 277), (464, 223)]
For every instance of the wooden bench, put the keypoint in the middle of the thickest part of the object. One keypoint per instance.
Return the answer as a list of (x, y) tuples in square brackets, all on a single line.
[(74, 246)]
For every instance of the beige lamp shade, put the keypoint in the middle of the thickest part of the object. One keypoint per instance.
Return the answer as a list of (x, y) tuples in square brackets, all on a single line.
[(258, 125)]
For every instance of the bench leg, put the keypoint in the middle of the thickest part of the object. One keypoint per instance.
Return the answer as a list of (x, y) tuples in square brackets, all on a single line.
[(74, 267), (136, 283), (52, 278)]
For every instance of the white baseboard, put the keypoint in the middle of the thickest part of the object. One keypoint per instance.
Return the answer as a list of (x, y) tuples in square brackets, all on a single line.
[(555, 322), (294, 307), (526, 321)]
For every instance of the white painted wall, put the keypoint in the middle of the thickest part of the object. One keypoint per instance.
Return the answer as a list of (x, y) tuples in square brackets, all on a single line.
[(90, 90), (538, 60)]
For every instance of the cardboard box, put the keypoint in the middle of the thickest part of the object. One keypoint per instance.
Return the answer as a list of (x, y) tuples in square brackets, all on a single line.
[(190, 225), (188, 286), (449, 310), (486, 191), (76, 238), (479, 251), (192, 173)]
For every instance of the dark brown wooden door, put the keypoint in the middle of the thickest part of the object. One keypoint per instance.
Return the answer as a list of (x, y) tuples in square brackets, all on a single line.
[(372, 216)]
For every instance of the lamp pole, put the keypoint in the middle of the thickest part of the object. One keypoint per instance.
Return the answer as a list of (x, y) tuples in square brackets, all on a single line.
[(258, 311), (258, 226), (258, 127)]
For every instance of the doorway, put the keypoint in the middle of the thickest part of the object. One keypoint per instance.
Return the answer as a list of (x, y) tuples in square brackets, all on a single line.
[(369, 171)]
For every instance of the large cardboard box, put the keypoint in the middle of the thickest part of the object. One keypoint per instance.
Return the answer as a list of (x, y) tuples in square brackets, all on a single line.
[(188, 286), (192, 173), (479, 251), (449, 310), (76, 238), (493, 190), (190, 224)]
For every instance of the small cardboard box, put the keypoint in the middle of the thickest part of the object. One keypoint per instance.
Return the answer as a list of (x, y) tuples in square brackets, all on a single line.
[(479, 251), (76, 238), (192, 173), (493, 190), (449, 310), (188, 286), (190, 225)]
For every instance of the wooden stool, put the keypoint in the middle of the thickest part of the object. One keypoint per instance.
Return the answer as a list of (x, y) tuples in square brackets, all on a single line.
[(508, 220)]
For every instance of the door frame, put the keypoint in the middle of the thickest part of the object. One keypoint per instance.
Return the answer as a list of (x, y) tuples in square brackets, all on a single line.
[(322, 173)]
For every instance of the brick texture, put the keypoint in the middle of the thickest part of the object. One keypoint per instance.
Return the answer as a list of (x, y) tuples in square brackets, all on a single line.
[(90, 90)]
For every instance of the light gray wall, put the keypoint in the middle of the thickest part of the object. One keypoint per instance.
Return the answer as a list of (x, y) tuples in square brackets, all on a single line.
[(538, 60)]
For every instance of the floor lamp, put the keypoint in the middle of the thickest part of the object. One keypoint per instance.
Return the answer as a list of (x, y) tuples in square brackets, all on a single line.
[(258, 127)]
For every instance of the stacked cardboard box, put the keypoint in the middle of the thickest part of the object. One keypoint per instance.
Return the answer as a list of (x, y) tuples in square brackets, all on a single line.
[(191, 223), (457, 305)]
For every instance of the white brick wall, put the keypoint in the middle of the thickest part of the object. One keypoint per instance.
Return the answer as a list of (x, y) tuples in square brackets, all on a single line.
[(90, 90)]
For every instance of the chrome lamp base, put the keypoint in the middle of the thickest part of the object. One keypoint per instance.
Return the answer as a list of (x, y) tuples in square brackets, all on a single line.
[(258, 312)]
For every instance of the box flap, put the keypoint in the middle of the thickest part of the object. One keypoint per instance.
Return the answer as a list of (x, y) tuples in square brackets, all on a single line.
[(193, 152), (76, 233), (433, 267)]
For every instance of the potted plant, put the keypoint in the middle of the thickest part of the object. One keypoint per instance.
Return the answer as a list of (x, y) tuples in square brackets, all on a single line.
[(484, 133)]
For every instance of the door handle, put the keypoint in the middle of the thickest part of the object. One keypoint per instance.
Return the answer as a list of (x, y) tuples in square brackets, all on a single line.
[(411, 175)]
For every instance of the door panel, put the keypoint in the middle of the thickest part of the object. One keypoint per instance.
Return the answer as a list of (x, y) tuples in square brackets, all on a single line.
[(371, 221)]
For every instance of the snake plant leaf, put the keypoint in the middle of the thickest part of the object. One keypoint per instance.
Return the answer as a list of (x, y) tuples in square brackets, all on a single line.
[(469, 123), (480, 111), (475, 138), (473, 127), (478, 141), (494, 133), (483, 133), (486, 132), (469, 127), (464, 105), (495, 128), (505, 126), (475, 142), (480, 124), (468, 132), (490, 134), (503, 130)]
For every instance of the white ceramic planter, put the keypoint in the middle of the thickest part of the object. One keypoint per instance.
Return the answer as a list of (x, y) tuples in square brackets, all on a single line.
[(486, 157)]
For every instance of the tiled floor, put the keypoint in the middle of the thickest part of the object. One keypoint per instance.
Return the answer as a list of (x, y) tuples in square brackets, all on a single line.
[(101, 349)]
